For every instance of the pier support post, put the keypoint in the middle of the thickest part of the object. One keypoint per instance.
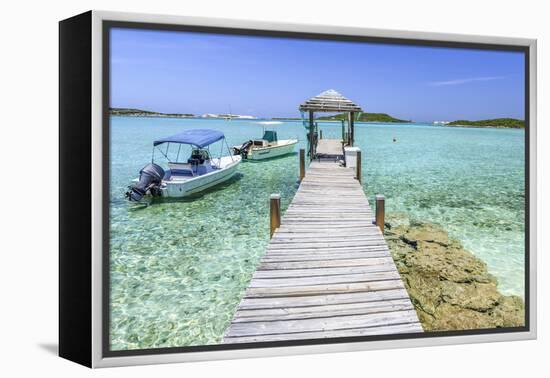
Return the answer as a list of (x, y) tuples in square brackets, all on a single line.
[(351, 129), (380, 199), (358, 166), (302, 164), (311, 137), (274, 213)]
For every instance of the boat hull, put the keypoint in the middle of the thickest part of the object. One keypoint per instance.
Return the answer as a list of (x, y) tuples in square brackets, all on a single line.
[(179, 189), (260, 153)]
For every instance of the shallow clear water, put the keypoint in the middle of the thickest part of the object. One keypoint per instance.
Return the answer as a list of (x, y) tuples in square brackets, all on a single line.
[(179, 268), (470, 181)]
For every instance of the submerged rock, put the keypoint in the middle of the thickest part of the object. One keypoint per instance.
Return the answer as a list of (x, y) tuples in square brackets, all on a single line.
[(450, 288)]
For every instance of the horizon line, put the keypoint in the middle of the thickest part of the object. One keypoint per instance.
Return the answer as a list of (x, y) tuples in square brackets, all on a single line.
[(195, 115)]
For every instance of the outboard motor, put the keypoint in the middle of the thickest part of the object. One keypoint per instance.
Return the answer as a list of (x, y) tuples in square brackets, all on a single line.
[(243, 149), (150, 178)]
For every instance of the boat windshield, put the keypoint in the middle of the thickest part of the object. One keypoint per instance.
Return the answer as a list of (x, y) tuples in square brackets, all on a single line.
[(270, 136)]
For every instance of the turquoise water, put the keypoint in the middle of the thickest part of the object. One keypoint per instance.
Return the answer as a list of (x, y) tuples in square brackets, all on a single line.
[(469, 180), (179, 268)]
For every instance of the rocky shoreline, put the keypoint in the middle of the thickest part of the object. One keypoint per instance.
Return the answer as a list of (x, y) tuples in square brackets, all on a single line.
[(450, 288)]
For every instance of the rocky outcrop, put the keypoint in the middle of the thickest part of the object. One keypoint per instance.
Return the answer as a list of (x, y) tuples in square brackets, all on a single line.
[(449, 287)]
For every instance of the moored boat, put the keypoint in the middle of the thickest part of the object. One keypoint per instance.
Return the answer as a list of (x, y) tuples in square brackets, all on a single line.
[(267, 147), (201, 171)]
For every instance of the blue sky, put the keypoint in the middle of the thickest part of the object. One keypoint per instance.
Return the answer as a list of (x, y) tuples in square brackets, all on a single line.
[(182, 72)]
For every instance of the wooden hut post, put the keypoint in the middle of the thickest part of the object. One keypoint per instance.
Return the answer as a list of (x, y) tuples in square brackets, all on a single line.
[(380, 199), (320, 134), (358, 166), (302, 164), (311, 136), (274, 213), (351, 129)]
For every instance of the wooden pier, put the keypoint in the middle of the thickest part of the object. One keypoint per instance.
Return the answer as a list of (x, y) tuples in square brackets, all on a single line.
[(329, 148), (327, 271)]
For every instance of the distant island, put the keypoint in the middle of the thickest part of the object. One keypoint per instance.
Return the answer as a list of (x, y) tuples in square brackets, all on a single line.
[(145, 113), (365, 117), (129, 112), (508, 123)]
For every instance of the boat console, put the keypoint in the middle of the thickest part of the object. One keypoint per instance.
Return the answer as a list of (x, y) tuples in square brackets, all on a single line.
[(199, 163)]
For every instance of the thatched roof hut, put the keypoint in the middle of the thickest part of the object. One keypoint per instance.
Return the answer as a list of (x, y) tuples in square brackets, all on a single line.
[(330, 101)]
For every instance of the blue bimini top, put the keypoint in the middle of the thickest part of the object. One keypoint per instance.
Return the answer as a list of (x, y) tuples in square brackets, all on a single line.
[(196, 137)]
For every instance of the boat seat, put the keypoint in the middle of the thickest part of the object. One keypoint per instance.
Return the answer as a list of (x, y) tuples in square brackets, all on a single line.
[(195, 160), (180, 169), (190, 169), (181, 172)]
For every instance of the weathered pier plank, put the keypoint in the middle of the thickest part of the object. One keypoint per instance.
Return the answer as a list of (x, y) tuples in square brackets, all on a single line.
[(329, 148), (327, 271)]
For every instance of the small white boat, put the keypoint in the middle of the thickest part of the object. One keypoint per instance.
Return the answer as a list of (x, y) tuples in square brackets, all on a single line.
[(267, 147), (198, 173)]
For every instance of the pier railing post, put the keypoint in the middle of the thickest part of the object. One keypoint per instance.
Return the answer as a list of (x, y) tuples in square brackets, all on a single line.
[(302, 164), (311, 137), (274, 213), (380, 199), (358, 166)]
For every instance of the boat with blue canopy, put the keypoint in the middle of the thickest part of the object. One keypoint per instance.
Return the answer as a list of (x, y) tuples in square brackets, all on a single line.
[(198, 172)]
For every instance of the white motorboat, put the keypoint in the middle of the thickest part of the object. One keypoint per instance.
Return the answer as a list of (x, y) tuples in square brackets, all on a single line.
[(267, 147), (198, 173)]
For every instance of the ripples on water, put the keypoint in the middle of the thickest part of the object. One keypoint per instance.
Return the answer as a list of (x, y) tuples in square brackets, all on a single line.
[(179, 267)]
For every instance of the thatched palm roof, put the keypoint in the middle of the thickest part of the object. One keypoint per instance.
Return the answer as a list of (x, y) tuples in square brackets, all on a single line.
[(330, 101)]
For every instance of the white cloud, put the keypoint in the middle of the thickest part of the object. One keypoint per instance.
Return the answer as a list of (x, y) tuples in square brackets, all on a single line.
[(464, 81)]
